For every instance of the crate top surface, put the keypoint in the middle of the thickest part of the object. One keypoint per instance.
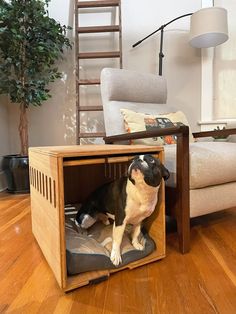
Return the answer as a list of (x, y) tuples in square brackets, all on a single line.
[(93, 150)]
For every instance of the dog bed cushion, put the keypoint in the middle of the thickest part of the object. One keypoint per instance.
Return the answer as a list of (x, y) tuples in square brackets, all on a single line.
[(88, 250)]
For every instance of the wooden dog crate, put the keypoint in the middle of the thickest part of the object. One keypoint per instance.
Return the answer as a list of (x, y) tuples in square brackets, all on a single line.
[(67, 174)]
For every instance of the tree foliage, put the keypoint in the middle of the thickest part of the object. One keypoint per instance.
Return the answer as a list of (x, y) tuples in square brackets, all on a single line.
[(30, 44)]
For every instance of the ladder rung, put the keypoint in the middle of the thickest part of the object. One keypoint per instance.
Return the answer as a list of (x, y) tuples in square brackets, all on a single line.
[(89, 82), (98, 29), (90, 108), (88, 135), (94, 55), (101, 3)]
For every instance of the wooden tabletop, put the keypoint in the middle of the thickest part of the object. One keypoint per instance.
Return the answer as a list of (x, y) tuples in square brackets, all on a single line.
[(92, 150)]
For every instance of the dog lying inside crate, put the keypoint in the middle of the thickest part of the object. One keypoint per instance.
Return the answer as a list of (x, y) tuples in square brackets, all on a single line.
[(128, 200)]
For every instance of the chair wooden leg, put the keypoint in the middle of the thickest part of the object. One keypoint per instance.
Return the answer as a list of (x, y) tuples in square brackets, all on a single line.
[(183, 229), (183, 193), (177, 206)]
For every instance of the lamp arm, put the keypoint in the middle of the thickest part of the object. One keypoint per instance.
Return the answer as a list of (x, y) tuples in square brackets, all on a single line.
[(161, 28), (177, 18), (140, 41)]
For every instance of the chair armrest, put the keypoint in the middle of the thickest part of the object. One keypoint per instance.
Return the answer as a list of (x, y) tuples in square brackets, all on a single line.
[(179, 130), (214, 133)]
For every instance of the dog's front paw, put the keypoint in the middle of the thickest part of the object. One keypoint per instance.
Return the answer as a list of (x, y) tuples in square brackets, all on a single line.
[(115, 257), (138, 246)]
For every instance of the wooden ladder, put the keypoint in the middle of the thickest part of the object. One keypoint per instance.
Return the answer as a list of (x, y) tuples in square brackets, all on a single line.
[(93, 55)]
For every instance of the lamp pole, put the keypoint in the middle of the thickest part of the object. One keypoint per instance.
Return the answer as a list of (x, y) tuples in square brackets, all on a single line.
[(161, 28)]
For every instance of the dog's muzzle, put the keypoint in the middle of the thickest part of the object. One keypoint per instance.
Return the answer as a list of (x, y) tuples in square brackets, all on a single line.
[(138, 164)]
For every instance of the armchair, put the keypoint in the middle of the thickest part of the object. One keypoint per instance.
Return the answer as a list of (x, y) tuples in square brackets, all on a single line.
[(203, 176)]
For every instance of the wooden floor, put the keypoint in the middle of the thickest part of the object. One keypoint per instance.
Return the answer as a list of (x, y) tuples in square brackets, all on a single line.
[(203, 281)]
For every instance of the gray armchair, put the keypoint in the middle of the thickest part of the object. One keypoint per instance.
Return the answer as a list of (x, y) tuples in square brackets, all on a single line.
[(203, 174)]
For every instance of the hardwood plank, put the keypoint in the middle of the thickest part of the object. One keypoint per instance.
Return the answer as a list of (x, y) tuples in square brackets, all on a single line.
[(11, 209), (20, 241), (90, 299), (14, 220), (31, 303), (202, 281), (222, 253), (218, 287), (19, 255)]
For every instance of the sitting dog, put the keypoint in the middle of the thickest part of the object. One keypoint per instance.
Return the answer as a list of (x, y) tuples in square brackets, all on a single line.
[(128, 200)]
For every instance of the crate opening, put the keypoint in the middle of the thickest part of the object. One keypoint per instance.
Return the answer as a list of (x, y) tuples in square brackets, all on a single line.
[(89, 249)]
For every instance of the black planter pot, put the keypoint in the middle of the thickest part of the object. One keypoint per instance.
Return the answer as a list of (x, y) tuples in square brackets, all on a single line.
[(16, 169)]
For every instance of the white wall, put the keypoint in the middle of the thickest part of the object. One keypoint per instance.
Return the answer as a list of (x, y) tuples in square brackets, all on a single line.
[(224, 68), (181, 64), (54, 122)]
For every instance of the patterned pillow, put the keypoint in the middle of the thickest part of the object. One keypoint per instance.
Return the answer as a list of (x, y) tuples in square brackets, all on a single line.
[(137, 121)]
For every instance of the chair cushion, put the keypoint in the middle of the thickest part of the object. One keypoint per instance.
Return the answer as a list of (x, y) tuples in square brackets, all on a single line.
[(212, 199), (211, 163), (136, 121)]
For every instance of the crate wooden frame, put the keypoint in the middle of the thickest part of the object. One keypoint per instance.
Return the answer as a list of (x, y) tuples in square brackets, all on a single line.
[(48, 166)]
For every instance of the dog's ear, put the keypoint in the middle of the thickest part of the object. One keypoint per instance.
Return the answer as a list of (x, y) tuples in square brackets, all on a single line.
[(164, 172)]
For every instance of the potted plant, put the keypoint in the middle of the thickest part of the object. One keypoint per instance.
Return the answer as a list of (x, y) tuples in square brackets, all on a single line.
[(221, 137), (30, 44)]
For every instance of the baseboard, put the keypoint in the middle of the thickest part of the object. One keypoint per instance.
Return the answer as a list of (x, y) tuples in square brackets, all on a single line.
[(3, 183)]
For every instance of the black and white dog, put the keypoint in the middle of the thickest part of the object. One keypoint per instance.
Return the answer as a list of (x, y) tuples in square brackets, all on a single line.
[(128, 200)]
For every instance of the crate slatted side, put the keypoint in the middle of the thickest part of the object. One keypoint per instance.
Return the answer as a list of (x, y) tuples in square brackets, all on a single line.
[(47, 220), (43, 184)]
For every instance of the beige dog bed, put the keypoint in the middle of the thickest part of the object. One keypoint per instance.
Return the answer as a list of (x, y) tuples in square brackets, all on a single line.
[(88, 250)]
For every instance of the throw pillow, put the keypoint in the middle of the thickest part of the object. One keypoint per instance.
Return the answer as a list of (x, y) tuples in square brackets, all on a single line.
[(137, 121)]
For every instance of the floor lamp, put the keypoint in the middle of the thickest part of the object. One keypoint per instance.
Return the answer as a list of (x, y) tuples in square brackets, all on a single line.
[(208, 28)]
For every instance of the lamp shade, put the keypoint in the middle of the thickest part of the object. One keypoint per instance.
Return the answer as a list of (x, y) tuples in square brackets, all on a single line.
[(208, 27)]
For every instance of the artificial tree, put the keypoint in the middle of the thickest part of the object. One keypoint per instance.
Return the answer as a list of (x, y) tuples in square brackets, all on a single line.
[(30, 44)]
